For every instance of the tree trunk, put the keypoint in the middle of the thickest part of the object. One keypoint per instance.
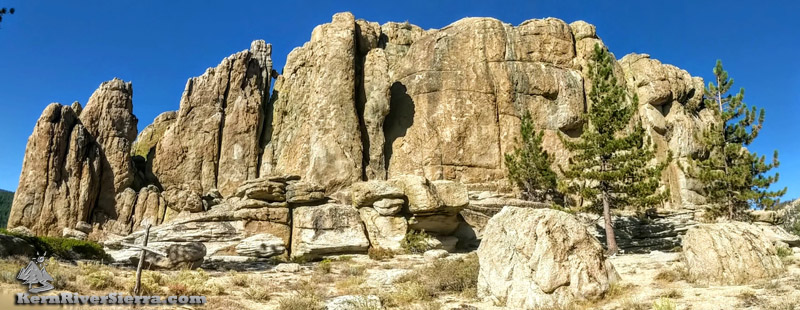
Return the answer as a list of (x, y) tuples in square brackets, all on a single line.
[(730, 211), (611, 238)]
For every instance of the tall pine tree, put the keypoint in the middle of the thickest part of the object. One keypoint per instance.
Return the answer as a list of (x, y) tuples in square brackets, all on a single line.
[(733, 178), (612, 166), (529, 165)]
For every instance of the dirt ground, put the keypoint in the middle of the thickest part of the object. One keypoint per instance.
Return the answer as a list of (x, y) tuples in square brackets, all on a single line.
[(648, 281)]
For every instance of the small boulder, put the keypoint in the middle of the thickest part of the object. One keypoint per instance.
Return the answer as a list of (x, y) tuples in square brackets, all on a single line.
[(22, 231), (421, 196), (364, 194), (261, 245), (435, 254), (304, 192), (287, 267), (384, 231), (73, 234), (186, 255), (15, 246), (271, 188), (729, 253), (388, 206)]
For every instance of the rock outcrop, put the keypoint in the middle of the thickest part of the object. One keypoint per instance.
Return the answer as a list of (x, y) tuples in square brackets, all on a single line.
[(385, 128), (315, 125), (729, 254), (214, 142), (60, 177), (534, 258)]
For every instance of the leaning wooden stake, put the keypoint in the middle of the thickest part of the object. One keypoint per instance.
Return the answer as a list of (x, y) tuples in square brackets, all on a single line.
[(141, 262)]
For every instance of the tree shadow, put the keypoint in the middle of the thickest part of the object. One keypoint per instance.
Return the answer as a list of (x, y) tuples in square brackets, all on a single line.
[(399, 119)]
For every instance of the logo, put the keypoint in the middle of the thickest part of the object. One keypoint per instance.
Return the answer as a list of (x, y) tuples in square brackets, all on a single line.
[(35, 273)]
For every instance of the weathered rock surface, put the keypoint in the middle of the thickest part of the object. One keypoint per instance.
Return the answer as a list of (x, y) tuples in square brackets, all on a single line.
[(60, 177), (261, 245), (422, 198), (535, 258), (315, 126), (384, 231), (109, 118), (634, 234), (15, 246), (147, 139), (366, 193), (729, 253), (483, 205), (327, 229), (304, 193), (214, 141)]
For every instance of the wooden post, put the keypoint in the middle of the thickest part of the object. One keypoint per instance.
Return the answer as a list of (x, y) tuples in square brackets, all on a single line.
[(141, 262)]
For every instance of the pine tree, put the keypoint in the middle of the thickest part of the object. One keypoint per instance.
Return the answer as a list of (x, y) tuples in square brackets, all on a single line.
[(4, 11), (529, 165), (733, 178), (612, 166)]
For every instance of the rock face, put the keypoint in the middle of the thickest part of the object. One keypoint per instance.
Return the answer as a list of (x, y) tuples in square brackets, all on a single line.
[(406, 128), (60, 176), (214, 141), (535, 258), (315, 125), (662, 232), (729, 254)]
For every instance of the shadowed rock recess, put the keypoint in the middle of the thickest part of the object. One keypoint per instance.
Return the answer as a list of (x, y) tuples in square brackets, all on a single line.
[(369, 131)]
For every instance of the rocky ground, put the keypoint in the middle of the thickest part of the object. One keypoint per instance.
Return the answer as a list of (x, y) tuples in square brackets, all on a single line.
[(411, 281)]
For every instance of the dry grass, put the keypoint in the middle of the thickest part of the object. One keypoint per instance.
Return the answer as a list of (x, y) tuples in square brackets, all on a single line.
[(305, 296), (748, 298), (354, 270), (448, 276), (380, 253), (350, 285), (673, 274), (672, 293), (632, 304), (324, 266)]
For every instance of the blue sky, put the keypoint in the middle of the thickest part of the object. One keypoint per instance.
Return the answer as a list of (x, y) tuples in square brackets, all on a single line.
[(60, 51)]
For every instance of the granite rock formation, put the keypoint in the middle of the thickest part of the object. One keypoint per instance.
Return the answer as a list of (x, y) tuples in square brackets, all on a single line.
[(389, 127)]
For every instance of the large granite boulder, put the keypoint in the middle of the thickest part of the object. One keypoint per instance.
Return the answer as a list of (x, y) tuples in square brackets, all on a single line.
[(729, 254), (534, 258), (327, 229)]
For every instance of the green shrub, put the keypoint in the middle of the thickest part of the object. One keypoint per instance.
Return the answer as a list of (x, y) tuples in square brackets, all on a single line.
[(99, 279), (324, 266), (663, 304), (784, 252), (416, 242), (64, 248)]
